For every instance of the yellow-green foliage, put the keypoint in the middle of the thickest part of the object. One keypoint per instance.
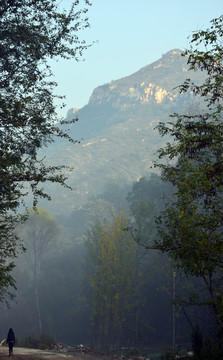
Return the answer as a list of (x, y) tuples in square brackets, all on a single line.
[(113, 277)]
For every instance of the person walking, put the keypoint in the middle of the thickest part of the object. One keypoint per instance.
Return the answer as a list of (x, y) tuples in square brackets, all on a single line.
[(11, 340)]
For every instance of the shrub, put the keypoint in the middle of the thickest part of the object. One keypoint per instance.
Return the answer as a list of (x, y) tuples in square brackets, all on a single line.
[(42, 342)]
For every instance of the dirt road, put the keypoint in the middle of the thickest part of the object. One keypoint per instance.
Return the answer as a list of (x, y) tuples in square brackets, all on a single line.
[(33, 354)]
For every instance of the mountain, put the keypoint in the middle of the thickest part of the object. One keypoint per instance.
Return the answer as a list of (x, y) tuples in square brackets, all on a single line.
[(154, 84), (117, 128)]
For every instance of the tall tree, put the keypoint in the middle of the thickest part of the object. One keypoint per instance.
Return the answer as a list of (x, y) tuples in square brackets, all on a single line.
[(146, 200), (112, 256), (191, 226), (40, 235), (31, 33)]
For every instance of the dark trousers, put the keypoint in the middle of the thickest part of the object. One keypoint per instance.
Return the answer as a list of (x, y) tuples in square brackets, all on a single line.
[(10, 347)]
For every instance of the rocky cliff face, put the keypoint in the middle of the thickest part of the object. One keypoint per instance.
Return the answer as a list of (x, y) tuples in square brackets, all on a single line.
[(152, 84), (118, 128)]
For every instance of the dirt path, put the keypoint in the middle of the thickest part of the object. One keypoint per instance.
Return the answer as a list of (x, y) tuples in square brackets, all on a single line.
[(33, 354)]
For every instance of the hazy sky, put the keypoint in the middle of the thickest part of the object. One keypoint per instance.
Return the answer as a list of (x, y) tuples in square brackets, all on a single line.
[(129, 34)]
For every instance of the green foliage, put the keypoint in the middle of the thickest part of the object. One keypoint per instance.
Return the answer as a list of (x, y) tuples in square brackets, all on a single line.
[(169, 355), (112, 258), (62, 288), (146, 201), (31, 33), (191, 225)]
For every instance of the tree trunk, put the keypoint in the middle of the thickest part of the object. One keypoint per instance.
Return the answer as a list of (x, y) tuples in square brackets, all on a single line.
[(38, 307)]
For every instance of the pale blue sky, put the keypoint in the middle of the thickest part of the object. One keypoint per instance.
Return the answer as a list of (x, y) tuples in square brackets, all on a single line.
[(130, 34)]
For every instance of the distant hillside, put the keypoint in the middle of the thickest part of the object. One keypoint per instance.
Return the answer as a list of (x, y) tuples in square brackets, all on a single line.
[(117, 128)]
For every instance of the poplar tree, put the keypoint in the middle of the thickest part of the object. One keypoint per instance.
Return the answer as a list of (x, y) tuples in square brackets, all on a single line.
[(113, 274)]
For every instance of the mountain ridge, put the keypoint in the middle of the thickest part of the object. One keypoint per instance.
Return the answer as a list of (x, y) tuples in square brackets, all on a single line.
[(155, 75), (117, 128)]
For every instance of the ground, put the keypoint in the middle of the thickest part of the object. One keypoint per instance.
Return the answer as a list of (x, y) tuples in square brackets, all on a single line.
[(32, 354)]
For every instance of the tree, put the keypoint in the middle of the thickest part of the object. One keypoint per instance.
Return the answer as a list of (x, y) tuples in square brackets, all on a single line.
[(112, 260), (40, 236), (191, 225), (146, 201), (31, 33)]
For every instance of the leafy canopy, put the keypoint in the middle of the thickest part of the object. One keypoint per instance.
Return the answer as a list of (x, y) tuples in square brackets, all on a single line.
[(31, 33), (191, 226), (111, 258)]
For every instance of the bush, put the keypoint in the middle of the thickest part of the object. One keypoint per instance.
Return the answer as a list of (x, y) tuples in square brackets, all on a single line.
[(42, 342), (210, 352), (169, 355)]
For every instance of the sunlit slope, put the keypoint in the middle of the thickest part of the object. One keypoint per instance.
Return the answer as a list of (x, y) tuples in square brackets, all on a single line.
[(117, 130)]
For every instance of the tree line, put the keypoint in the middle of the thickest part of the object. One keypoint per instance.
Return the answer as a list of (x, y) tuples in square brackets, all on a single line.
[(186, 225), (89, 281)]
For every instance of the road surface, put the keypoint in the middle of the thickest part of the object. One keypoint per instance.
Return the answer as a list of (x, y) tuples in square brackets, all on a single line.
[(34, 354)]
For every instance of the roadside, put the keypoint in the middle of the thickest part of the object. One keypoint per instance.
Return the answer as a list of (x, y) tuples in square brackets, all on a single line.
[(35, 354)]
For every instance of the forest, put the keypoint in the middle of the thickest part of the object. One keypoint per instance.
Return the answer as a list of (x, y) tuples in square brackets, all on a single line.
[(138, 266), (86, 279)]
